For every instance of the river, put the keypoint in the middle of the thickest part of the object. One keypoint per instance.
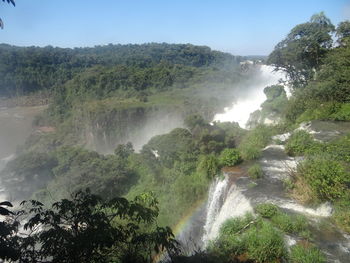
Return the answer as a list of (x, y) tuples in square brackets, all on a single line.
[(15, 127)]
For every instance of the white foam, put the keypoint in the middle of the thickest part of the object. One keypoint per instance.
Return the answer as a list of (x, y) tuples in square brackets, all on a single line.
[(217, 195), (240, 110), (235, 204), (8, 158), (290, 241), (274, 146), (155, 153), (324, 210), (279, 169), (282, 137)]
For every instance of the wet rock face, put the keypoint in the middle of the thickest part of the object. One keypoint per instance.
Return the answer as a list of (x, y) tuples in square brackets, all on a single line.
[(15, 127), (104, 132), (327, 130), (234, 195)]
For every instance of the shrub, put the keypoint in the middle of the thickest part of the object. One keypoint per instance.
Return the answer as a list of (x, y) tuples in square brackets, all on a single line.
[(265, 244), (275, 103), (193, 121), (339, 149), (230, 242), (250, 152), (306, 254), (255, 171), (341, 214), (298, 143), (230, 157), (267, 210), (254, 141), (250, 238), (289, 223), (343, 113), (327, 178), (208, 164), (283, 221), (226, 247), (319, 111), (234, 225)]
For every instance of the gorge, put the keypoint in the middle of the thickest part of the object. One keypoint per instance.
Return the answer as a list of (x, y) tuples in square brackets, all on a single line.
[(177, 150)]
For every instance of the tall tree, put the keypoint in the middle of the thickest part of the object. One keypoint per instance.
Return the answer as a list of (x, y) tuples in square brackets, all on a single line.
[(301, 52), (343, 32), (85, 229)]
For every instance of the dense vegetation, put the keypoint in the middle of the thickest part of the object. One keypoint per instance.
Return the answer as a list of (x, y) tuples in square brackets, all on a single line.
[(97, 90), (94, 90), (177, 166), (260, 238), (318, 75), (85, 228), (319, 72), (28, 69)]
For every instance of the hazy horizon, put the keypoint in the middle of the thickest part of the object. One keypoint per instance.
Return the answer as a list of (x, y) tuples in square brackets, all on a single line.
[(245, 28)]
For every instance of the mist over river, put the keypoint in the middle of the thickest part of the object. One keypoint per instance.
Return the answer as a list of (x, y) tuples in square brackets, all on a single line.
[(15, 127), (250, 101)]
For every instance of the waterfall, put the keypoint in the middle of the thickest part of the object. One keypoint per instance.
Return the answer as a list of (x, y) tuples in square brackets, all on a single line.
[(3, 163), (217, 195), (225, 201), (240, 111)]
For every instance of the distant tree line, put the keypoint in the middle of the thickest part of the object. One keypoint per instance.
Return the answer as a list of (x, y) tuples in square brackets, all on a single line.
[(25, 70)]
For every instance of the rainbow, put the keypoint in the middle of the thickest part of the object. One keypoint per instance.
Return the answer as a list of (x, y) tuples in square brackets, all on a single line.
[(184, 222), (186, 219)]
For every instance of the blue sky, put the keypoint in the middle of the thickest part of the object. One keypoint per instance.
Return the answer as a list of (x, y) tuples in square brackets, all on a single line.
[(242, 27)]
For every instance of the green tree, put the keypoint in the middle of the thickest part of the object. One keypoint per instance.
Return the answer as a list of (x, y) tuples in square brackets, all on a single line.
[(327, 178), (276, 102), (8, 228), (333, 83), (230, 157), (195, 120), (123, 151), (300, 53), (88, 229), (343, 32)]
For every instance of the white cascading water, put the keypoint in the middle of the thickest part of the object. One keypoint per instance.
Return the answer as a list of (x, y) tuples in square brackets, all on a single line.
[(240, 111), (3, 163), (280, 169), (225, 201), (323, 210), (217, 195)]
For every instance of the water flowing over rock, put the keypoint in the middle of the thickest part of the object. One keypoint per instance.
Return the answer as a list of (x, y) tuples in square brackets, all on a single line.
[(226, 201), (325, 131), (3, 163), (234, 195), (217, 195), (15, 127), (240, 111), (323, 210)]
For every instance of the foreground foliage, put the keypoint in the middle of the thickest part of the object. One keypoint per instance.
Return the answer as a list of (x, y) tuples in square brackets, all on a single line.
[(298, 143), (326, 177), (306, 254), (230, 157), (260, 238), (253, 142), (255, 171), (87, 229)]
